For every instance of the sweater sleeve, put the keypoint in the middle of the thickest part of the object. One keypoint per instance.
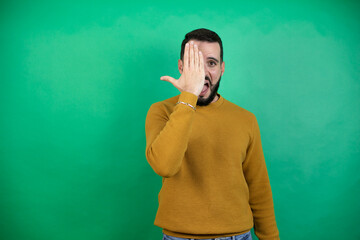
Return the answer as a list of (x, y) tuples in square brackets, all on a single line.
[(167, 136), (260, 195)]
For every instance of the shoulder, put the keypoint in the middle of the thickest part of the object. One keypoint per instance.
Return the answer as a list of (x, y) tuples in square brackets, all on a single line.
[(238, 110), (238, 117), (164, 106), (169, 102)]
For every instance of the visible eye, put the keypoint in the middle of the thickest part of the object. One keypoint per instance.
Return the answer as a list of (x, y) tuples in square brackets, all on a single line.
[(212, 63)]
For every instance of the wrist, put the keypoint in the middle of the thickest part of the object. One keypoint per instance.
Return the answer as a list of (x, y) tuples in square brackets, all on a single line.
[(193, 92), (188, 97)]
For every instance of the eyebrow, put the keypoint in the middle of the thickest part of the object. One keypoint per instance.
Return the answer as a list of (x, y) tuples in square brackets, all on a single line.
[(213, 59)]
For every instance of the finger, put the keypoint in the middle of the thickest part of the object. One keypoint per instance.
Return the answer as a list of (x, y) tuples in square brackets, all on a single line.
[(186, 56), (196, 57), (191, 58)]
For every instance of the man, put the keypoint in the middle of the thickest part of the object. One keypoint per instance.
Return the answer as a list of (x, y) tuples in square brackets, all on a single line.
[(209, 153)]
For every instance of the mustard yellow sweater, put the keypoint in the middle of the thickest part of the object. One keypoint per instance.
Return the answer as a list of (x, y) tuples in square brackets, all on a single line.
[(215, 181)]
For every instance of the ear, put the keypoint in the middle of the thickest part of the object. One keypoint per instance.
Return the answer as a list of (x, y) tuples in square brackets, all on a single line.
[(222, 68), (180, 66)]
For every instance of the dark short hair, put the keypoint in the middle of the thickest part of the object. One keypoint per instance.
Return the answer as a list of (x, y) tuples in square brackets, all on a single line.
[(202, 34)]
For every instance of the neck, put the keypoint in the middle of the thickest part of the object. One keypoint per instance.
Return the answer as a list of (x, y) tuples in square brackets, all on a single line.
[(215, 98)]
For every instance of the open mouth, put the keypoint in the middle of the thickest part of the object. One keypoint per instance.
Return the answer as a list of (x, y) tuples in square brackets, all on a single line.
[(205, 88)]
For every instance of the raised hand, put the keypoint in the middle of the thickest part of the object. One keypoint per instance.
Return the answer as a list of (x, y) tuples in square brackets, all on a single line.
[(193, 75)]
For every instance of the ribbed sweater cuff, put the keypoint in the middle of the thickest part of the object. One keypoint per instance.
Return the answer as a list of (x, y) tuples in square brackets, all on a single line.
[(188, 98)]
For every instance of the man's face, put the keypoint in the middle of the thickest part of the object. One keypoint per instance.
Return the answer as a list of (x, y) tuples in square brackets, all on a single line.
[(213, 70)]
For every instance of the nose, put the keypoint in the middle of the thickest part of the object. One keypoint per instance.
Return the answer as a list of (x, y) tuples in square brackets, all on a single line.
[(206, 69)]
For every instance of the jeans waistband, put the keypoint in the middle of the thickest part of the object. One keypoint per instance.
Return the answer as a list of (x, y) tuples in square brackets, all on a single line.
[(244, 236)]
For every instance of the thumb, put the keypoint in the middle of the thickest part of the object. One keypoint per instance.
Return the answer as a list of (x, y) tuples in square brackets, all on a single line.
[(168, 79)]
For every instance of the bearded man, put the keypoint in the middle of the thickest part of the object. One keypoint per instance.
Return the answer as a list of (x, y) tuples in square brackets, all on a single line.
[(215, 183)]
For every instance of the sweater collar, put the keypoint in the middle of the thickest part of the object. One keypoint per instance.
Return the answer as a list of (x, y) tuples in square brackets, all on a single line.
[(212, 105)]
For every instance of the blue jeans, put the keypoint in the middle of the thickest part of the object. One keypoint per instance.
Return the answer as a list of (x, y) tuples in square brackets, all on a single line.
[(245, 236)]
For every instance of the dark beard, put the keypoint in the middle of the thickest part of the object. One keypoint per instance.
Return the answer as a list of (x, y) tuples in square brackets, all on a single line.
[(206, 101)]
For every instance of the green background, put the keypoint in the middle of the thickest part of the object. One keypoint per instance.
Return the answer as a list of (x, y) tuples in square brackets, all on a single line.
[(77, 79)]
